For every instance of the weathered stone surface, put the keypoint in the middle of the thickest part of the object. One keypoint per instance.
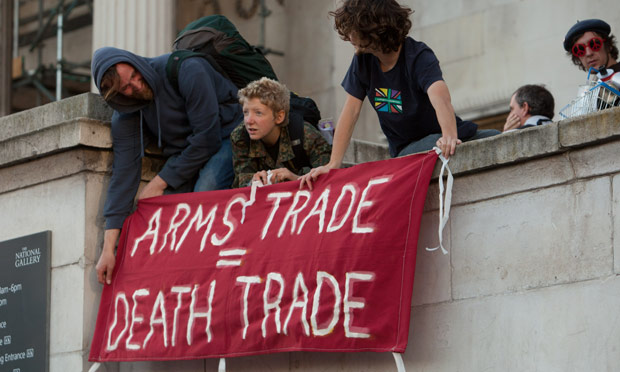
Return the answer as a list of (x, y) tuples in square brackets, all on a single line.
[(92, 298), (168, 366), (316, 77), (66, 308), (62, 362), (563, 328), (616, 218), (510, 179), (536, 239), (341, 362), (452, 52), (367, 151), (599, 126), (104, 367), (87, 105), (57, 206), (596, 160), (433, 271), (431, 203), (505, 148), (53, 167), (349, 155), (53, 138), (534, 174), (260, 363), (95, 196)]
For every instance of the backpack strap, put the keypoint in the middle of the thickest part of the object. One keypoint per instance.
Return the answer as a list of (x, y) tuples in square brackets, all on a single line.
[(173, 65), (305, 107), (296, 134)]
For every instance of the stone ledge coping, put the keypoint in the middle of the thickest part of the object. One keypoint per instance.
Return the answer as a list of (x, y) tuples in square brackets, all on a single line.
[(87, 105), (54, 166), (52, 138), (82, 121), (514, 147), (575, 164), (64, 164)]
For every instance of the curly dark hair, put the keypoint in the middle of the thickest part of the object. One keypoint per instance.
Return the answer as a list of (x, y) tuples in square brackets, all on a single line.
[(538, 98), (379, 24), (609, 45)]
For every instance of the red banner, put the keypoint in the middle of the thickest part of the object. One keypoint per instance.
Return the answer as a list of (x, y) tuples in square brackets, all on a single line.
[(235, 272)]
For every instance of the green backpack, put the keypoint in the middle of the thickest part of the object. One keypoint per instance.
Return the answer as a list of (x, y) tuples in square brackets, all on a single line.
[(217, 39)]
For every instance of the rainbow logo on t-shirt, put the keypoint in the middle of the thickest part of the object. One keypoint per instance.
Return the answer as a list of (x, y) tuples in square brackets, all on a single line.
[(388, 100)]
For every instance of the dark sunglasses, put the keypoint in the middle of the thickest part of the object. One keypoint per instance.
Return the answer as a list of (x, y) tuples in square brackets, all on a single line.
[(596, 43)]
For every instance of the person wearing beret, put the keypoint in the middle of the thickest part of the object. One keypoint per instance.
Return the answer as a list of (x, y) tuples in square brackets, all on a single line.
[(590, 43)]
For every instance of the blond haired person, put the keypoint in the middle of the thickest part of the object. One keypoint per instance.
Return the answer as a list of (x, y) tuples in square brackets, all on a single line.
[(263, 145)]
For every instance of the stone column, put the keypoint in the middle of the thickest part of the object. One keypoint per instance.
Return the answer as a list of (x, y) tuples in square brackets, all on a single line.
[(144, 27)]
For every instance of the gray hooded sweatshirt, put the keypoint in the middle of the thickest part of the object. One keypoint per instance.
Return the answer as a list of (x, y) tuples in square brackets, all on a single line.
[(187, 124)]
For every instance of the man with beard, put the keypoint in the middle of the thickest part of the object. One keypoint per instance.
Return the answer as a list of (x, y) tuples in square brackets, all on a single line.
[(589, 43), (191, 123), (402, 80)]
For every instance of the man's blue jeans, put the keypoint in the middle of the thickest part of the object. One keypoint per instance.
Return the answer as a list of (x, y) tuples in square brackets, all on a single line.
[(428, 142), (216, 174)]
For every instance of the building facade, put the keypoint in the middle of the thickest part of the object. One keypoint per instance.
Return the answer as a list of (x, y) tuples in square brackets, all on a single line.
[(487, 49)]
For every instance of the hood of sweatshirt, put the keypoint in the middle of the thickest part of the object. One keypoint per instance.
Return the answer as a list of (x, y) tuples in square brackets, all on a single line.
[(107, 57)]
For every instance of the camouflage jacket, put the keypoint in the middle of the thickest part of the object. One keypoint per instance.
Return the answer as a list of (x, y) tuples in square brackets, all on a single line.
[(250, 156)]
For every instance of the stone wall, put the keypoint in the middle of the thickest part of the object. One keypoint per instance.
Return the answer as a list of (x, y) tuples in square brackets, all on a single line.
[(530, 282), (53, 165)]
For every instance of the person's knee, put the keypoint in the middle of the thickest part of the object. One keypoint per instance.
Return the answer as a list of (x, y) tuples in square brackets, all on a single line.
[(211, 181), (483, 133), (217, 173), (425, 144), (215, 176), (489, 132), (205, 184)]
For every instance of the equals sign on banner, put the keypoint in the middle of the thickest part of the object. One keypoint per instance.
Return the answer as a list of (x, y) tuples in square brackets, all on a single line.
[(230, 257)]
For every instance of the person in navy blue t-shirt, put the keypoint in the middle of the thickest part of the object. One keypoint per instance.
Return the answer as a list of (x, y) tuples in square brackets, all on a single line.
[(402, 80)]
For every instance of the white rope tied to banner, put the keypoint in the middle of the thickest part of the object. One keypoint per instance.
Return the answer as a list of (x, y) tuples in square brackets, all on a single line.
[(400, 365), (444, 204), (94, 367)]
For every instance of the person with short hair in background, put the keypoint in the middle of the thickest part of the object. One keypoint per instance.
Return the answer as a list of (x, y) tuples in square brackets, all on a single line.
[(530, 105)]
